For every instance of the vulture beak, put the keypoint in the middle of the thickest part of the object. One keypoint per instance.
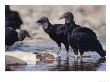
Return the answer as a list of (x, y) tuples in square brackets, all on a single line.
[(38, 21), (29, 36), (61, 17)]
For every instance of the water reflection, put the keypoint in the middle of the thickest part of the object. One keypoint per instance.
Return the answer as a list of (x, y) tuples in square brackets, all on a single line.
[(88, 63), (62, 65), (78, 65)]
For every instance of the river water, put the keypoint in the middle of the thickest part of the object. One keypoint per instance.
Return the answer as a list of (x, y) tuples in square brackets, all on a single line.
[(91, 61)]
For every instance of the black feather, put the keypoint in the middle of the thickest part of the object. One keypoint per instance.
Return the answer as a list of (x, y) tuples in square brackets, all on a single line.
[(56, 32), (81, 38), (12, 18)]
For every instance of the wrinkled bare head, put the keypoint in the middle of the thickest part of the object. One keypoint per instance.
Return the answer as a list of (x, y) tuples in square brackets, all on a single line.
[(44, 21), (23, 34), (68, 17)]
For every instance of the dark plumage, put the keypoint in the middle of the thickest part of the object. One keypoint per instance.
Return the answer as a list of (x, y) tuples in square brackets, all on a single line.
[(56, 32), (12, 18), (11, 36), (81, 38)]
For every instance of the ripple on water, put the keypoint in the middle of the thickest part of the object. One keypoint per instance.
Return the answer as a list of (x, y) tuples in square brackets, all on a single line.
[(90, 61)]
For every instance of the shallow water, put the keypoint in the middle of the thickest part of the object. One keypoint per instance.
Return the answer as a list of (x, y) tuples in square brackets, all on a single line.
[(90, 61)]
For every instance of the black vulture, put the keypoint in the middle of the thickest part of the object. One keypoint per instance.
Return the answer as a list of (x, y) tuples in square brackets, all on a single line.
[(55, 31), (80, 38), (12, 36), (12, 18)]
